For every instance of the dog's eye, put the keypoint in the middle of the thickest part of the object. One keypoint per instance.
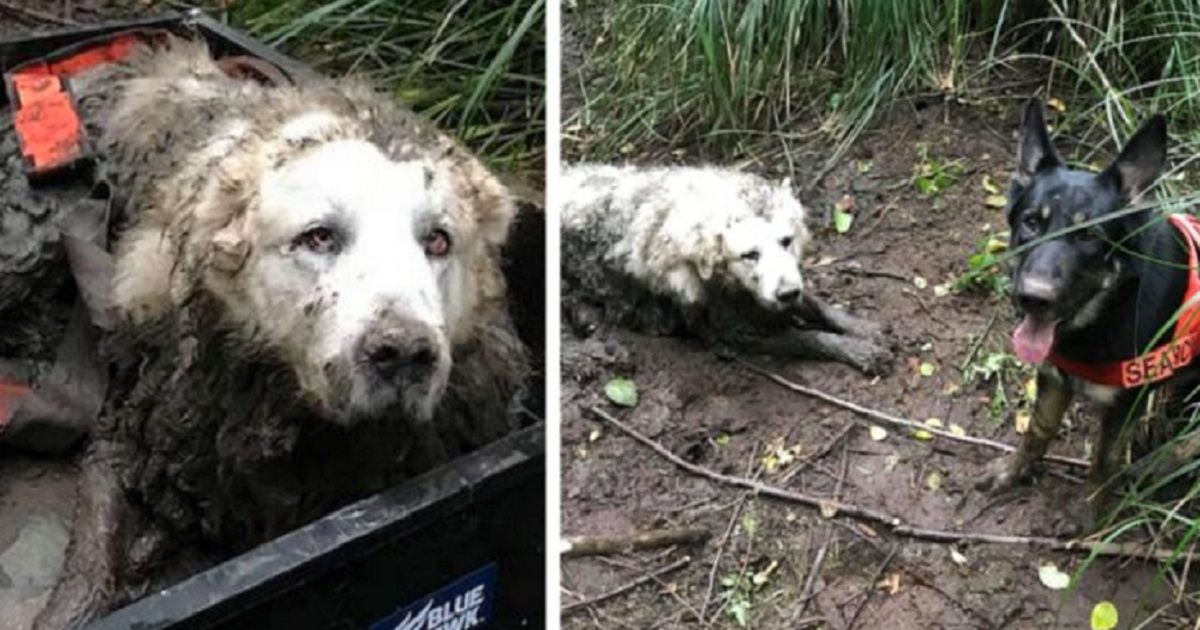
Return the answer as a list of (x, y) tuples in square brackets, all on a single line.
[(751, 255), (437, 243), (320, 239), (786, 242), (1031, 222)]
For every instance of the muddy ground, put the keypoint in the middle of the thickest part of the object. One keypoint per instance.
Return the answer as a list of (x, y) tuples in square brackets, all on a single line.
[(719, 415)]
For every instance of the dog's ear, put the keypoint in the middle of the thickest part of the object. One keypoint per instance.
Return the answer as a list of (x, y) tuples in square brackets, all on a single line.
[(1035, 151), (1141, 161)]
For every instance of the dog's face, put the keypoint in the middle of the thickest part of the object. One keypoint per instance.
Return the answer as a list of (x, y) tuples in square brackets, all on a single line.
[(1060, 282), (762, 256), (358, 276)]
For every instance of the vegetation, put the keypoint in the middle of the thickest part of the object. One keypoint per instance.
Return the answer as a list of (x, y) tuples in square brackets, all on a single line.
[(752, 72), (476, 68)]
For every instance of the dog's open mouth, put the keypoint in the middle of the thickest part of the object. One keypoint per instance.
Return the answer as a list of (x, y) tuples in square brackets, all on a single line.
[(1033, 339)]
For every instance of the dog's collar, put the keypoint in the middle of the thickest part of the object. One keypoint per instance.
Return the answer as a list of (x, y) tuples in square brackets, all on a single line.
[(1163, 361)]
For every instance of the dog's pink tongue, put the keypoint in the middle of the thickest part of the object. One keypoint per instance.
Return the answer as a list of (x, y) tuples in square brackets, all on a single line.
[(1032, 340)]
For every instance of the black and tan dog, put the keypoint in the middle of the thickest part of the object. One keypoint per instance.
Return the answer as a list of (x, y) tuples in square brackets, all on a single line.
[(1104, 292)]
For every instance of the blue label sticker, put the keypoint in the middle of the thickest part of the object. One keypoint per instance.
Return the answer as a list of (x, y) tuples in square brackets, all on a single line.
[(463, 604)]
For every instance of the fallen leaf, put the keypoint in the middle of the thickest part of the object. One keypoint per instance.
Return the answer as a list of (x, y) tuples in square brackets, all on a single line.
[(877, 432), (890, 462), (1052, 578), (842, 220), (990, 186), (1031, 389), (1057, 105), (941, 290), (957, 557), (828, 509), (863, 166), (927, 369), (722, 439), (933, 481), (1104, 616), (866, 530), (891, 584), (622, 391), (922, 434), (995, 201), (920, 282), (764, 576), (594, 435), (957, 430), (996, 245), (824, 261), (934, 423), (1021, 422)]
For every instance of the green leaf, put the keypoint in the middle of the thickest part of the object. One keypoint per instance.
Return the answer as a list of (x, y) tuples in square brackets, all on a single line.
[(995, 201), (740, 611), (927, 369), (622, 391), (1104, 616), (842, 220), (723, 439)]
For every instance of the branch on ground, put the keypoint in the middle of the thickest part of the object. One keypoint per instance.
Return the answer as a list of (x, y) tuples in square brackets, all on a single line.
[(576, 546), (894, 524)]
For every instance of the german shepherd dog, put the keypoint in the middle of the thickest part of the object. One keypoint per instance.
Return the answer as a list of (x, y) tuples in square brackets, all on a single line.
[(1095, 285)]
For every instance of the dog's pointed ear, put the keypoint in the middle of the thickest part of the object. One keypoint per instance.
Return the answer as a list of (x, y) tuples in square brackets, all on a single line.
[(1141, 161), (1035, 151)]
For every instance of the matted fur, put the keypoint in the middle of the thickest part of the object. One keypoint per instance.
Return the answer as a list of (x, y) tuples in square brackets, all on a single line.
[(211, 435), (667, 249)]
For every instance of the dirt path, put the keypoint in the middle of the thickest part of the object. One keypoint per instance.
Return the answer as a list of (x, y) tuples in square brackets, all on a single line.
[(719, 415)]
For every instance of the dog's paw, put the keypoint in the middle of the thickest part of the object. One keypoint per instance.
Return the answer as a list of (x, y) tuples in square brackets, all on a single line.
[(1001, 474), (874, 359)]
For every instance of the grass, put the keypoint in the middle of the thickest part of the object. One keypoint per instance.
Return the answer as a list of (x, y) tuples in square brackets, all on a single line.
[(476, 68), (738, 78)]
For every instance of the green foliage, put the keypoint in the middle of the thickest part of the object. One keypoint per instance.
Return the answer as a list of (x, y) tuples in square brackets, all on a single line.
[(476, 68), (985, 273)]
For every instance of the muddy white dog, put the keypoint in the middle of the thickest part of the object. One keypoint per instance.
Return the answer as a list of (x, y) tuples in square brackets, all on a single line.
[(704, 250), (309, 302)]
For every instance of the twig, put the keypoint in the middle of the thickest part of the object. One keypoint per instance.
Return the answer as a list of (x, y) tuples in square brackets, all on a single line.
[(871, 586), (855, 270), (979, 342), (620, 590), (810, 581), (33, 14), (716, 564), (898, 421), (893, 523), (787, 477), (576, 546)]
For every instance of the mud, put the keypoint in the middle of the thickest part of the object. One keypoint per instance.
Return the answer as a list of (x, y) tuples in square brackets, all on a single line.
[(718, 414)]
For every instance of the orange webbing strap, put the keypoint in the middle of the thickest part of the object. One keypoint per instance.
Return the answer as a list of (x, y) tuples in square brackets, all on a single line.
[(46, 122), (10, 393)]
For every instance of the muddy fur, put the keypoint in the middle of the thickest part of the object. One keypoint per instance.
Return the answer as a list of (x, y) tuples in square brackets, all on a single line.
[(208, 441), (650, 249)]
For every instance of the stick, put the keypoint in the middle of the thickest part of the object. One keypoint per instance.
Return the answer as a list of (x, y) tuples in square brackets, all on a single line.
[(893, 523), (620, 590), (898, 421), (577, 546), (871, 586), (810, 581)]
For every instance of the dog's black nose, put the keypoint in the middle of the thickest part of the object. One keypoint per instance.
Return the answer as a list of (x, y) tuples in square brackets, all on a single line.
[(1035, 295), (392, 351), (787, 296)]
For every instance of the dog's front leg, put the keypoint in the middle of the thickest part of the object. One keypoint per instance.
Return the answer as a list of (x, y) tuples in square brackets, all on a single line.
[(1053, 398), (817, 312), (1116, 422), (89, 577), (857, 352)]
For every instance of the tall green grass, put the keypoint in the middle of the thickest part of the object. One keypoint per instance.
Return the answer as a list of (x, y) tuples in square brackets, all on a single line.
[(727, 74), (476, 67)]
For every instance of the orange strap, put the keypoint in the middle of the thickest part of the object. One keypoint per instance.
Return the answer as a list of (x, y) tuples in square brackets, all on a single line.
[(10, 393), (47, 126), (1161, 362)]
